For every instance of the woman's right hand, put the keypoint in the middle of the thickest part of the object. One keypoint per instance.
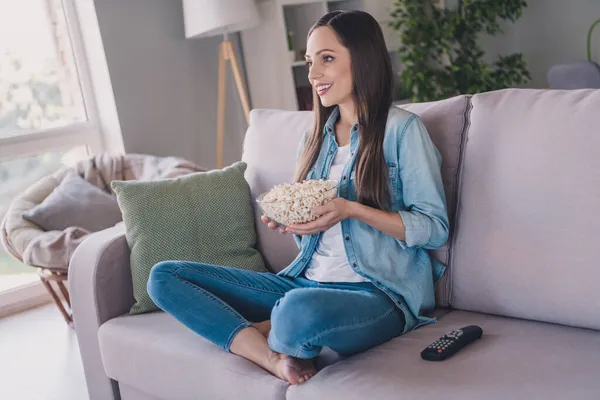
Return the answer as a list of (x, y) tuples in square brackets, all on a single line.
[(272, 224)]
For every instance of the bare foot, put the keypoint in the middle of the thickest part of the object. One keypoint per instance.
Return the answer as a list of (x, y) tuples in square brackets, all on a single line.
[(263, 327), (294, 370)]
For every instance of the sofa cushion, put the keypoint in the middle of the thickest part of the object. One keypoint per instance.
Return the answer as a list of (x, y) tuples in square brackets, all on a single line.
[(528, 229), (156, 354), (446, 122), (515, 359), (270, 149), (203, 217)]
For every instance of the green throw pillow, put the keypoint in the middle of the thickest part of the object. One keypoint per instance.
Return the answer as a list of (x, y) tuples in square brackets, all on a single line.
[(205, 217)]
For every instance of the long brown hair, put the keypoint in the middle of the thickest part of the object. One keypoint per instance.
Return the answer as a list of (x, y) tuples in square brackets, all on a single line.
[(372, 75)]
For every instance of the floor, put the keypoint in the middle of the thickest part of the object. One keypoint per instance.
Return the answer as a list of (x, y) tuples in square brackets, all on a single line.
[(39, 357)]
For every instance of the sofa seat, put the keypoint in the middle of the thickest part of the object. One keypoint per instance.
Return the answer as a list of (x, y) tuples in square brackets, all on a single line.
[(515, 359), (157, 355)]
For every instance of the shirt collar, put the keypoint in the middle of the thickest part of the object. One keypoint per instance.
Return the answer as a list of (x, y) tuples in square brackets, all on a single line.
[(330, 124), (333, 117)]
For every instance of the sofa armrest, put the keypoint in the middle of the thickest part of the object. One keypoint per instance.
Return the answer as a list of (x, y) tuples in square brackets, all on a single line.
[(101, 289)]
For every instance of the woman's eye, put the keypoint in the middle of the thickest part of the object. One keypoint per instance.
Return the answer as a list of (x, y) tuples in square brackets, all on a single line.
[(327, 58), (309, 63)]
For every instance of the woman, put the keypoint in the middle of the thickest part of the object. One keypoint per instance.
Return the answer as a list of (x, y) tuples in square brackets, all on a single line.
[(363, 275)]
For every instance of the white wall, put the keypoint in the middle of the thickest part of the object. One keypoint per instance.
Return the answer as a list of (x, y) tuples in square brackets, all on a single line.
[(549, 32), (165, 86)]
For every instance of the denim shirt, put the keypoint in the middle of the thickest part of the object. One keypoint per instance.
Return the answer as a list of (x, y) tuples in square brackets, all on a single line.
[(403, 269)]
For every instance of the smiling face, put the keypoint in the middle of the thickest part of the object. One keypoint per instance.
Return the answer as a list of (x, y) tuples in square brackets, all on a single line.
[(330, 72)]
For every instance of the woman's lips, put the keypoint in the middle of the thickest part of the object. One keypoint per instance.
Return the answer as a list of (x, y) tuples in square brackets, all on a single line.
[(323, 88)]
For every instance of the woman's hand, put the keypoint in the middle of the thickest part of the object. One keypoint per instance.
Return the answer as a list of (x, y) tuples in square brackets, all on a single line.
[(272, 224), (329, 214)]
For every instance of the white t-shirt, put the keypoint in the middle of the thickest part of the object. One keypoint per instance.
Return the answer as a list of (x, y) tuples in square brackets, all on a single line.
[(329, 262)]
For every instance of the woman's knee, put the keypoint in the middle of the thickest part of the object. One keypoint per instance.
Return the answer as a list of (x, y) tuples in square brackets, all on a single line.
[(295, 318), (161, 275)]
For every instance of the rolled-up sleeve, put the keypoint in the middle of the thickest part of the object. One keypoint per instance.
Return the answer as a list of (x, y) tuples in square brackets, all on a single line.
[(425, 216)]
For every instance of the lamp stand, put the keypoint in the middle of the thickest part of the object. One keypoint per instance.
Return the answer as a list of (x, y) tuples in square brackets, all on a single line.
[(226, 53)]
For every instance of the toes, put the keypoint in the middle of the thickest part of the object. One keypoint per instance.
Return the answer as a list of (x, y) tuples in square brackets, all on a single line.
[(304, 378)]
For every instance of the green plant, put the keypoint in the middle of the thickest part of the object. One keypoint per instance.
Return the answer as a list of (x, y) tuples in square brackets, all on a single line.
[(440, 53)]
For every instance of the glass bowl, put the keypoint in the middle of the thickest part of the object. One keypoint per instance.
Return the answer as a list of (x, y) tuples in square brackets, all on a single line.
[(297, 210)]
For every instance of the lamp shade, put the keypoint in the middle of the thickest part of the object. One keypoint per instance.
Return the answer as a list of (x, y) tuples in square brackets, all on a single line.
[(204, 18)]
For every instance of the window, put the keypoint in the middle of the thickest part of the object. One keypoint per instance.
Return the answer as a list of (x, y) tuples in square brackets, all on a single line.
[(48, 117)]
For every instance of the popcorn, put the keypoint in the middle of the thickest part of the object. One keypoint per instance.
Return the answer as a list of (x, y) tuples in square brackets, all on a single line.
[(291, 203)]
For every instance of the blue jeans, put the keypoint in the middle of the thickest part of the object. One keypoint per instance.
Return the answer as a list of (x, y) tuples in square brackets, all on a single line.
[(218, 302)]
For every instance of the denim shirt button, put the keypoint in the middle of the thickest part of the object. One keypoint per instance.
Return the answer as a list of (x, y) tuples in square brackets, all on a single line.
[(347, 237), (354, 265), (344, 178)]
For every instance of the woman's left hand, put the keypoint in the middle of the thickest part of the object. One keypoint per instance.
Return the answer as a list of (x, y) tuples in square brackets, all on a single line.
[(329, 214)]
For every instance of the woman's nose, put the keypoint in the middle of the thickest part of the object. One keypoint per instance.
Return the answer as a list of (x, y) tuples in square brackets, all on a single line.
[(314, 73)]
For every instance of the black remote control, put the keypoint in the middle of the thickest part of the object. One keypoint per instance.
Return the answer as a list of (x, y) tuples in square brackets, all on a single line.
[(451, 343)]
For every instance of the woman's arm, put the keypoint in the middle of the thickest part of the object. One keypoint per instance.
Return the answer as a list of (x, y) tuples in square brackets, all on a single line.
[(339, 209), (424, 216), (387, 222)]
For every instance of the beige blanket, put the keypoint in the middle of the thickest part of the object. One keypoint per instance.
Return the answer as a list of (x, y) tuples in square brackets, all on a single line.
[(53, 249)]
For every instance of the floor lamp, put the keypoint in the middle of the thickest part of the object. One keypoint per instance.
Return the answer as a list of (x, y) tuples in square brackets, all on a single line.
[(204, 18)]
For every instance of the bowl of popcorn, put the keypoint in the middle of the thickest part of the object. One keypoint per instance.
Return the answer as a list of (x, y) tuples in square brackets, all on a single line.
[(288, 204)]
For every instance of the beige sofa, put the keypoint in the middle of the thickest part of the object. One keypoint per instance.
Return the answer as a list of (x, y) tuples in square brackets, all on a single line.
[(522, 175)]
